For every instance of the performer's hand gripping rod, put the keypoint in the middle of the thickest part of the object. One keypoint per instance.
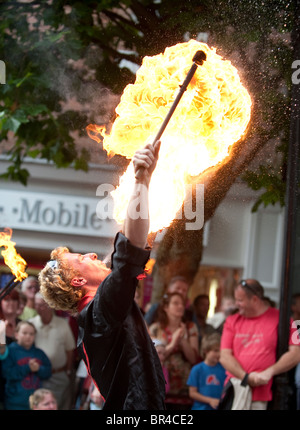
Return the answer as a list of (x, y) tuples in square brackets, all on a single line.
[(198, 60)]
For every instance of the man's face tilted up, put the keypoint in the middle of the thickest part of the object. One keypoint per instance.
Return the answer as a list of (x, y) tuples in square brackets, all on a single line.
[(92, 271)]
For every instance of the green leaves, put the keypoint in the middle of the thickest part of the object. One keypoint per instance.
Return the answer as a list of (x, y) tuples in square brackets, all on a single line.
[(268, 179), (43, 72), (15, 173), (10, 123), (37, 52)]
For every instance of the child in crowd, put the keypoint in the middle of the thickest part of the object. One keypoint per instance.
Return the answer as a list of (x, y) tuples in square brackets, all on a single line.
[(207, 378), (160, 347), (24, 368), (42, 400)]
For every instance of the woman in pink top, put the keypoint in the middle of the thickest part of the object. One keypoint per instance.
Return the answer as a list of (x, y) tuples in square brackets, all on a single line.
[(181, 350)]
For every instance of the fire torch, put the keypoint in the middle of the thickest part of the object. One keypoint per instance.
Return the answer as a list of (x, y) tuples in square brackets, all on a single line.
[(198, 60)]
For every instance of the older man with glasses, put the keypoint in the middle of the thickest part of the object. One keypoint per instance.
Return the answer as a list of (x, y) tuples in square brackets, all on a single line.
[(249, 343)]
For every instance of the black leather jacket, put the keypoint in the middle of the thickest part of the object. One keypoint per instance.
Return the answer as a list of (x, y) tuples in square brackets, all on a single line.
[(114, 340)]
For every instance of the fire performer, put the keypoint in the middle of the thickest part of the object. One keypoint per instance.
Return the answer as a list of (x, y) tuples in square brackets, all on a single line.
[(113, 338)]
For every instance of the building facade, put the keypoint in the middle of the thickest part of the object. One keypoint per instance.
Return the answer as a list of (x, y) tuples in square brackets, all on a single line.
[(63, 207)]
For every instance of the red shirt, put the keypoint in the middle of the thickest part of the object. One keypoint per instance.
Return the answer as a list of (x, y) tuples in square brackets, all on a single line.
[(253, 342)]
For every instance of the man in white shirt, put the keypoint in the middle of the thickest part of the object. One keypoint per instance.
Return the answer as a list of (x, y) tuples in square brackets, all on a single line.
[(54, 336)]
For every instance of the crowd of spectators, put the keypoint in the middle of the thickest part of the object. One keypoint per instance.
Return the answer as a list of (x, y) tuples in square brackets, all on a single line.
[(48, 362), (40, 367)]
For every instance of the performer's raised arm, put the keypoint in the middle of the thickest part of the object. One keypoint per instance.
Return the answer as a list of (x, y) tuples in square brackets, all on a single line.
[(67, 277), (136, 224)]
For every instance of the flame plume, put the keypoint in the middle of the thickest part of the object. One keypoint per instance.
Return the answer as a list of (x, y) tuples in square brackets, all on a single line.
[(12, 259), (212, 115)]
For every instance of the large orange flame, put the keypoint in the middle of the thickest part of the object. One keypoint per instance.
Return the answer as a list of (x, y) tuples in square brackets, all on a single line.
[(212, 115), (12, 259)]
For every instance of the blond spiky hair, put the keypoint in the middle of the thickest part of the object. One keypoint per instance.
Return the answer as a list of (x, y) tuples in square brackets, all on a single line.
[(55, 284)]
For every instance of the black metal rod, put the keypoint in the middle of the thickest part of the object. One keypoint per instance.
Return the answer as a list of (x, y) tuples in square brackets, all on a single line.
[(9, 282), (182, 89), (12, 283), (198, 59)]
